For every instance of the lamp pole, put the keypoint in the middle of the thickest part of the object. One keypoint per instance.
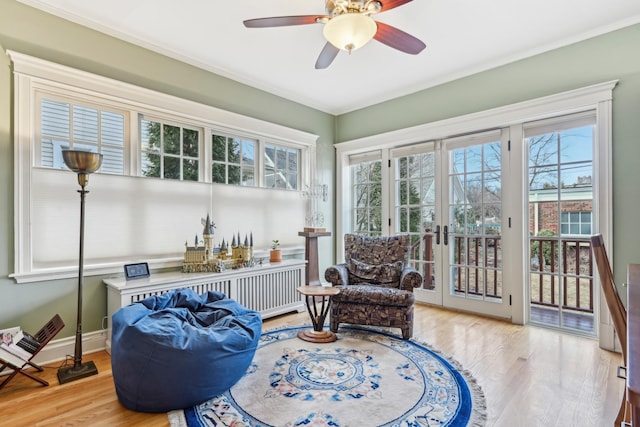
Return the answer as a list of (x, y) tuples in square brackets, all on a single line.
[(83, 163)]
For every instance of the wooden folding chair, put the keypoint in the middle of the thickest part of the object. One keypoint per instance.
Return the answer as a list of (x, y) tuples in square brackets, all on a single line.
[(44, 335)]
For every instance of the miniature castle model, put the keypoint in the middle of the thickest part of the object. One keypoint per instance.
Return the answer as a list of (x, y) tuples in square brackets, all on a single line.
[(205, 257)]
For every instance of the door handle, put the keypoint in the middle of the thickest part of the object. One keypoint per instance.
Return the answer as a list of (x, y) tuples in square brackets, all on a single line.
[(446, 235), (437, 233)]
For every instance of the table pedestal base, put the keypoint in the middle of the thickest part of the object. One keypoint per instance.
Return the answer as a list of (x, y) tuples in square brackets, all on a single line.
[(317, 336)]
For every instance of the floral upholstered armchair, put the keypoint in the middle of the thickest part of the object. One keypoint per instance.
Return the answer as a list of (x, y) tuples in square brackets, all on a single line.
[(376, 283)]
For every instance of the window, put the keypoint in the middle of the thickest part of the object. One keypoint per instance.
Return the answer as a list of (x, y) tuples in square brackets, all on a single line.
[(141, 133), (575, 223), (67, 125), (281, 167), (366, 194), (233, 160), (169, 151)]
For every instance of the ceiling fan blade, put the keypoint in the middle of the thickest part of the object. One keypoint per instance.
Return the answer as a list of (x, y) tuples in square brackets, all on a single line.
[(398, 39), (282, 21), (328, 54), (391, 4)]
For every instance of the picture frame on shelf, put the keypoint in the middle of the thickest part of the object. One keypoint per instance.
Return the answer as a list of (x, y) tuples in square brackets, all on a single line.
[(136, 271)]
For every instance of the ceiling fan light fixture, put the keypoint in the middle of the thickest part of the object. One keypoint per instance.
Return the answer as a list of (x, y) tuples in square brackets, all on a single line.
[(350, 31)]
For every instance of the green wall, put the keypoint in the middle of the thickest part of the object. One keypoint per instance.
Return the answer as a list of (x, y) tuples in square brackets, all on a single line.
[(613, 56), (39, 34)]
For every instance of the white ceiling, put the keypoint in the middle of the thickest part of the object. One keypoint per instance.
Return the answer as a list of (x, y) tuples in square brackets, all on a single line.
[(462, 37)]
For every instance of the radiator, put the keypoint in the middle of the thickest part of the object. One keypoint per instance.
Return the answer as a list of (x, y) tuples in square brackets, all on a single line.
[(269, 289)]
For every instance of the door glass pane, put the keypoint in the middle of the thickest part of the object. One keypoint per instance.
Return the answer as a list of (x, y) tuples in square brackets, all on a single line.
[(403, 193), (402, 216), (473, 159), (415, 225), (366, 198), (457, 162), (493, 157), (475, 221), (415, 207), (402, 167), (560, 207)]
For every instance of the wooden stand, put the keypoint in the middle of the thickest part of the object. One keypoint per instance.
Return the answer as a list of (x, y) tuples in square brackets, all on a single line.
[(311, 255), (18, 366)]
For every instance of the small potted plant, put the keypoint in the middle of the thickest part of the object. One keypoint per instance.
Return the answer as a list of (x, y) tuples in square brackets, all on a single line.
[(275, 255)]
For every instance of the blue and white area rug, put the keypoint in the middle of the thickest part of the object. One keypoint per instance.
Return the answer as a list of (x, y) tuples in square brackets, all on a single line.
[(366, 378)]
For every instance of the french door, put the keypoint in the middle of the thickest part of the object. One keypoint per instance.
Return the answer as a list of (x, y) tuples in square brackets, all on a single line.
[(448, 196), (476, 206)]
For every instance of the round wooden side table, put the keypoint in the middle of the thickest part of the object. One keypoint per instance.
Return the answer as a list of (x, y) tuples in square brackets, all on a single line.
[(317, 334)]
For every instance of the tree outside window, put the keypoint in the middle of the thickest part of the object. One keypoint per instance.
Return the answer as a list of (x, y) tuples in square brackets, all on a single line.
[(233, 160), (169, 151), (366, 178)]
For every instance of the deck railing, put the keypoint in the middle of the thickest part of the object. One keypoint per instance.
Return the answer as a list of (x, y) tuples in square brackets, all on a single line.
[(554, 262), (567, 263)]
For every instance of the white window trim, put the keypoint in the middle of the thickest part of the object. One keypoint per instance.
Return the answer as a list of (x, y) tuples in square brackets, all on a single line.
[(32, 74)]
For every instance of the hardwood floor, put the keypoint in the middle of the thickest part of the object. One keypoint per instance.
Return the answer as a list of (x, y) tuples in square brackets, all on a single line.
[(530, 377)]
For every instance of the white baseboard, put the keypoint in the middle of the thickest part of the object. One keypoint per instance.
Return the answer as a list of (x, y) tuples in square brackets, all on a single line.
[(608, 338), (57, 350)]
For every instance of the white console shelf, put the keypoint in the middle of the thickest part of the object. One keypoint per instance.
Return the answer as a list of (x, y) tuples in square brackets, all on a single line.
[(269, 288)]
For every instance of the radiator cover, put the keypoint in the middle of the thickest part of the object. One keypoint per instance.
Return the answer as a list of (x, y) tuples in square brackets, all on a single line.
[(269, 289)]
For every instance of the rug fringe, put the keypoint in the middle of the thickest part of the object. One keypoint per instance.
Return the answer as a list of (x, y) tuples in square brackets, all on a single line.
[(176, 419)]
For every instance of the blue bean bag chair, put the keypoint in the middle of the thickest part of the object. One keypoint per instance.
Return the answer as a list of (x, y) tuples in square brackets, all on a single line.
[(179, 349)]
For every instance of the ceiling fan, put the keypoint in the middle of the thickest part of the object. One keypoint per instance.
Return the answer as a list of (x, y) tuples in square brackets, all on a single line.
[(348, 26)]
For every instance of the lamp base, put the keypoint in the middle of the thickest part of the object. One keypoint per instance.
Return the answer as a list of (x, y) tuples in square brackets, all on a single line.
[(71, 373)]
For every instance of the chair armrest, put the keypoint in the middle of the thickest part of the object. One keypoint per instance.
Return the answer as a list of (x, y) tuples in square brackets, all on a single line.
[(337, 275), (411, 278)]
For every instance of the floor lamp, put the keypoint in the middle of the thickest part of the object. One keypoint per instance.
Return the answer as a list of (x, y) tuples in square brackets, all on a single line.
[(83, 163)]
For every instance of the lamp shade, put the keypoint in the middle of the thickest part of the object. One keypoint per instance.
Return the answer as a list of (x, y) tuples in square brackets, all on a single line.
[(350, 31), (81, 161)]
